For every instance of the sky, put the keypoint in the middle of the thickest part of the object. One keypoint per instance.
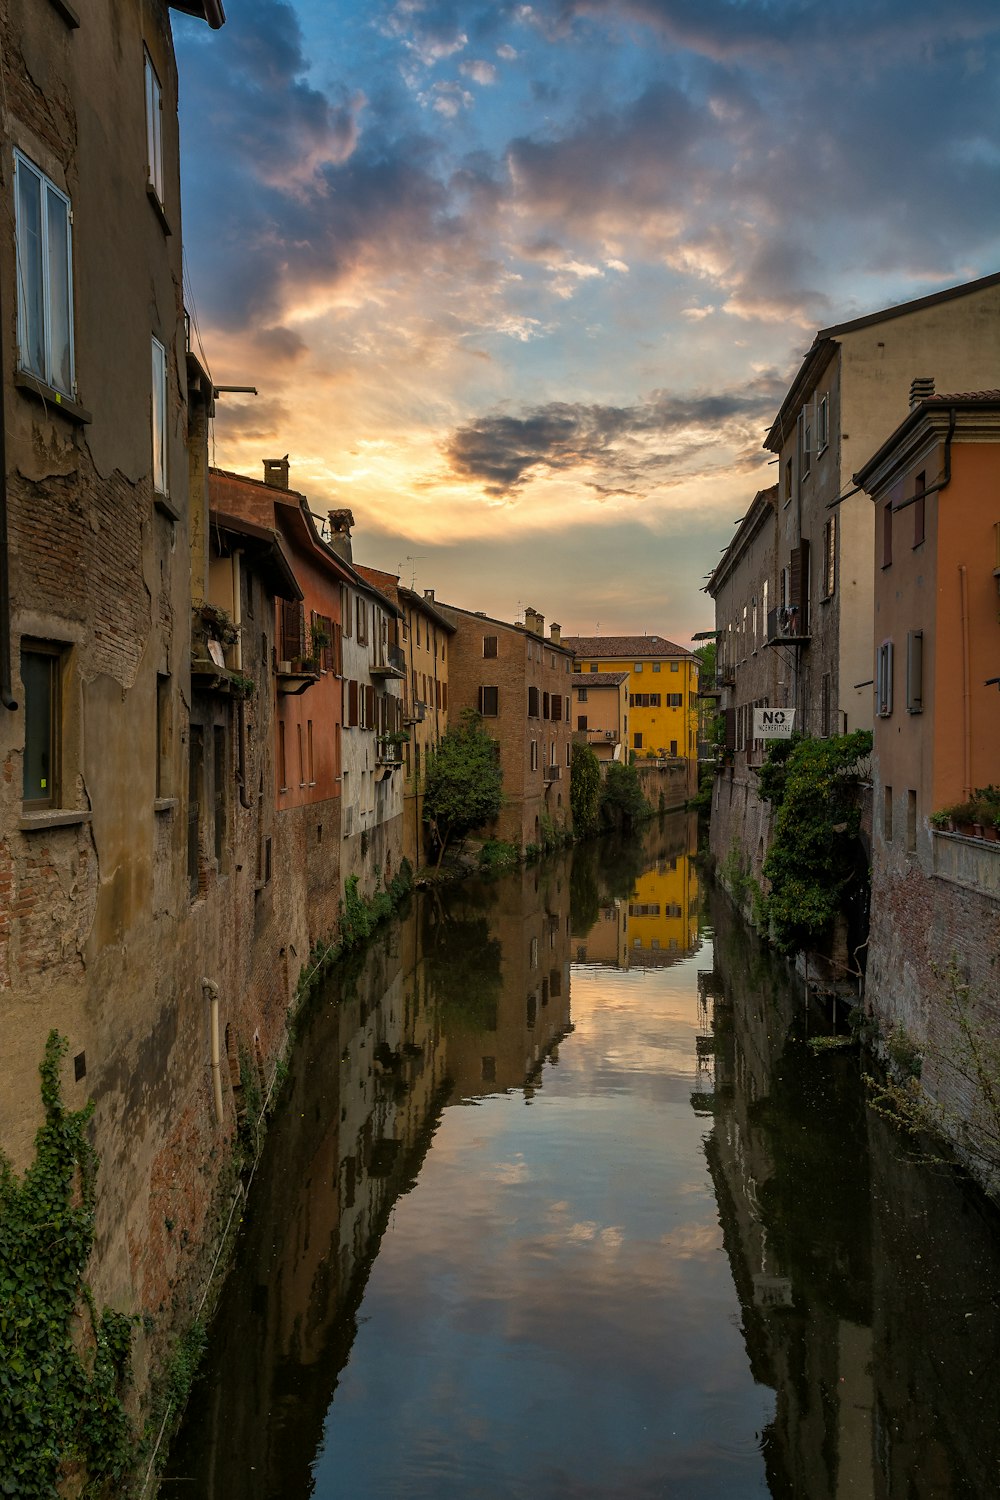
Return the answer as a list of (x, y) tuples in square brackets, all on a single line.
[(524, 285)]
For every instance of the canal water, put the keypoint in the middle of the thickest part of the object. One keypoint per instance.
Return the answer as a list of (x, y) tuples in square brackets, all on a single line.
[(560, 1203)]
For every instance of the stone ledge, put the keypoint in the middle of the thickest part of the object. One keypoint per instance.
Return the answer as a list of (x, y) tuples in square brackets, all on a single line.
[(39, 822), (973, 864)]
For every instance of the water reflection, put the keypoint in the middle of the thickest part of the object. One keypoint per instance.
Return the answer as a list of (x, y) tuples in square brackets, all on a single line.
[(696, 1266), (868, 1279)]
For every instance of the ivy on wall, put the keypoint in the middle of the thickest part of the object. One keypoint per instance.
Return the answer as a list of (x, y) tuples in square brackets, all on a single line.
[(63, 1368)]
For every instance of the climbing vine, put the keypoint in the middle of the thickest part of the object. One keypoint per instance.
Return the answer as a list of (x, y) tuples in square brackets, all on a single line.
[(813, 787), (59, 1404)]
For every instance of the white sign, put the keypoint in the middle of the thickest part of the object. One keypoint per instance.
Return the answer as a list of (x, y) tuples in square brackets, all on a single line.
[(773, 723)]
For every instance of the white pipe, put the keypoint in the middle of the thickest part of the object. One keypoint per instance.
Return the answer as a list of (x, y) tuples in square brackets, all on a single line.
[(212, 990), (237, 614)]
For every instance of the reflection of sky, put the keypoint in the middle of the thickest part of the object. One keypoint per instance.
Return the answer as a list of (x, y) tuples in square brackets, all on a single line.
[(551, 1312)]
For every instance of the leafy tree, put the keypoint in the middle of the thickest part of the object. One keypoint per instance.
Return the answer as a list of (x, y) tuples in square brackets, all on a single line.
[(585, 790), (464, 785), (622, 801), (812, 860)]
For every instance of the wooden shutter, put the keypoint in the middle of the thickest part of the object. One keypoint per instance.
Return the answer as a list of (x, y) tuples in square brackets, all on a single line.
[(352, 704), (799, 586), (292, 630)]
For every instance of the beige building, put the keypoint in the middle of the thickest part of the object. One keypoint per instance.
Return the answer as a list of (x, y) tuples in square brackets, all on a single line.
[(850, 392), (600, 714)]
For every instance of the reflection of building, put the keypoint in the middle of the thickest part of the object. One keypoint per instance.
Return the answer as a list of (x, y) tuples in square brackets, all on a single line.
[(362, 1103), (652, 920), (505, 1045), (786, 1160), (663, 913)]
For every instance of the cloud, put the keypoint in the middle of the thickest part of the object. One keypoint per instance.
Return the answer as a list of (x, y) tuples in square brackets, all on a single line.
[(623, 449), (478, 71)]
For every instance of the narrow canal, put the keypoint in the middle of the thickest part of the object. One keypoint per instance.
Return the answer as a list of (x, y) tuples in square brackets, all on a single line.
[(560, 1202)]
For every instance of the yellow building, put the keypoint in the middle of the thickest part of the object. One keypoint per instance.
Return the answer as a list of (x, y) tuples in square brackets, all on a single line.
[(662, 689)]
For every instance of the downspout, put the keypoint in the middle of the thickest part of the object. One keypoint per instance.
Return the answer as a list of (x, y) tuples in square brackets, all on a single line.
[(963, 579), (6, 687), (211, 989)]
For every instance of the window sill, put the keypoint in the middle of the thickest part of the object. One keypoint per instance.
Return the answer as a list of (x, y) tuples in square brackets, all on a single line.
[(163, 504), (39, 822), (158, 208), (67, 12), (50, 397), (165, 804)]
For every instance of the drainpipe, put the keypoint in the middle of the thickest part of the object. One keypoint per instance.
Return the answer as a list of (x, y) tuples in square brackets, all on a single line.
[(963, 580), (6, 694), (211, 989)]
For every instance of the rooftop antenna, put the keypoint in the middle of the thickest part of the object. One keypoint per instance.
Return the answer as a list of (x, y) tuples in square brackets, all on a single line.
[(414, 557)]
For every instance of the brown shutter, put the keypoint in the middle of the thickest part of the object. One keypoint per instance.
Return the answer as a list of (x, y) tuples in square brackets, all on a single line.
[(799, 586), (730, 729), (352, 704)]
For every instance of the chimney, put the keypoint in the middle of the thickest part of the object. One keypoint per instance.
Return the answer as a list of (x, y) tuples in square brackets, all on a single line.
[(341, 522), (429, 594), (555, 631), (921, 388), (533, 621), (276, 472)]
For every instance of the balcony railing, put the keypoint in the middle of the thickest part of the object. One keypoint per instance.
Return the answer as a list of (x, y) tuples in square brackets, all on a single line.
[(389, 752), (393, 664), (787, 625), (710, 686)]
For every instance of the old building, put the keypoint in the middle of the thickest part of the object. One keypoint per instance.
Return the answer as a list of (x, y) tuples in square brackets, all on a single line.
[(662, 692), (126, 858), (423, 644), (600, 714), (749, 675), (374, 671), (933, 487), (851, 390), (519, 682)]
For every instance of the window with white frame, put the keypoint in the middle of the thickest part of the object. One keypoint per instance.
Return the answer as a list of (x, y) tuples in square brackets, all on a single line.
[(159, 417), (154, 134), (44, 223)]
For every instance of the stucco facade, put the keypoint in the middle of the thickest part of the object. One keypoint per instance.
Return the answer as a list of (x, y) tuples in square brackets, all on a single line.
[(600, 714), (936, 894)]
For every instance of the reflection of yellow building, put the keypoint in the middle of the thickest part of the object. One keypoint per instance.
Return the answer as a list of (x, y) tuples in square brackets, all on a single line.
[(663, 913), (606, 942)]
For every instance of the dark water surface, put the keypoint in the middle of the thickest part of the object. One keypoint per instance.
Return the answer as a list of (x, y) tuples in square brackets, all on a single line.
[(560, 1203)]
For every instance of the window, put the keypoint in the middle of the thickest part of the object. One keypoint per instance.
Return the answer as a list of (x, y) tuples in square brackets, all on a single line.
[(362, 613), (581, 695), (159, 417), (675, 700), (164, 734), (656, 666), (219, 785), (593, 667), (805, 444), (557, 707), (533, 706), (914, 671), (534, 755), (822, 424), (545, 706), (638, 666), (829, 557), (581, 721), (887, 813), (154, 137), (883, 680), (911, 822), (675, 666), (887, 534), (346, 612), (44, 277), (282, 763), (919, 509), (489, 645), (673, 747), (40, 676), (489, 702), (788, 483), (637, 741)]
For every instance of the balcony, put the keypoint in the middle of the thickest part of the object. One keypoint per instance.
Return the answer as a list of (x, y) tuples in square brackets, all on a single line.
[(415, 713), (969, 862), (389, 751), (553, 773), (787, 626), (394, 664), (711, 687), (603, 736), (296, 676)]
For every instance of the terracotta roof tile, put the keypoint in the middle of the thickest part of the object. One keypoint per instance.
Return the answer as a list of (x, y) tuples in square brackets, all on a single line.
[(608, 646)]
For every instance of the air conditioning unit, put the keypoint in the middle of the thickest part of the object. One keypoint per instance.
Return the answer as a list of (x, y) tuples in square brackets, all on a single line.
[(610, 734)]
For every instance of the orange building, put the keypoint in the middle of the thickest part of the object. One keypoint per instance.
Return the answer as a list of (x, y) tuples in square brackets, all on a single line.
[(600, 713), (935, 894)]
